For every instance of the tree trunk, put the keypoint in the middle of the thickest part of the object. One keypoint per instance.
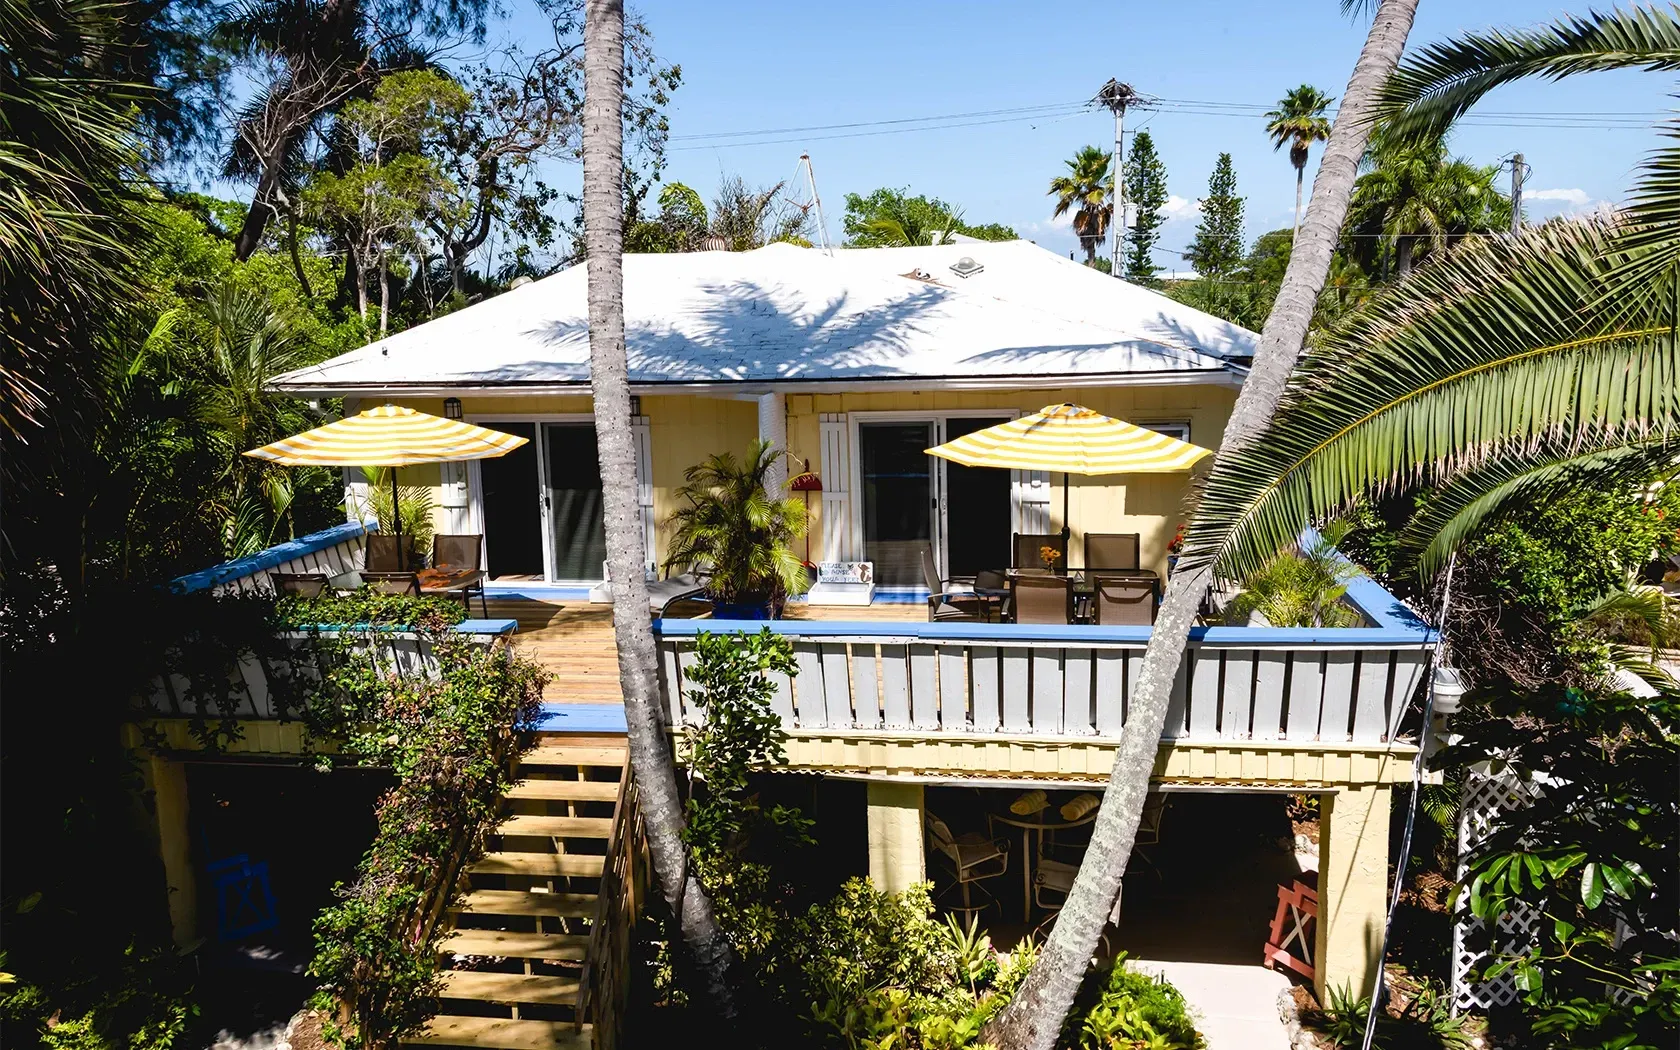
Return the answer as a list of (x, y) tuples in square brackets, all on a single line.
[(650, 755), (1034, 1017), (1300, 176), (384, 295), (262, 208), (297, 260), (1403, 254)]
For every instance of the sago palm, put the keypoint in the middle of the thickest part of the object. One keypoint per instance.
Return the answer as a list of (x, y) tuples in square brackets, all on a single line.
[(730, 525), (1298, 122), (1087, 190)]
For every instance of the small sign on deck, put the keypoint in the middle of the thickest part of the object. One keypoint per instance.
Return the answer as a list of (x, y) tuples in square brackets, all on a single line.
[(843, 583)]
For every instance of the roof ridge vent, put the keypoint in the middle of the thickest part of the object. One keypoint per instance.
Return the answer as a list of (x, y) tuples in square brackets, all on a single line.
[(966, 267)]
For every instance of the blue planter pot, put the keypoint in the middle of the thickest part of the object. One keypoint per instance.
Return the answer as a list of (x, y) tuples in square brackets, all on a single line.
[(741, 611)]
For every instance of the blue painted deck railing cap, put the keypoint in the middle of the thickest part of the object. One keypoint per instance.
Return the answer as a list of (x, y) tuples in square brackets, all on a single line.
[(279, 554)]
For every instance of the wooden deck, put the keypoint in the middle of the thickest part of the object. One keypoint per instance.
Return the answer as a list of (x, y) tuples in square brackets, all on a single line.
[(574, 640)]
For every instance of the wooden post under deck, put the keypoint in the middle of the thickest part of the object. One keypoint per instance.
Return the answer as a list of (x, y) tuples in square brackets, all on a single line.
[(896, 860)]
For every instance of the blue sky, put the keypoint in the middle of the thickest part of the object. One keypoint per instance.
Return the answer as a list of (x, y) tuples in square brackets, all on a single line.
[(750, 67)]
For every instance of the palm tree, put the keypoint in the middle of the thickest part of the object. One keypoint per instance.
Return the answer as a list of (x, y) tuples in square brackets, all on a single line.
[(731, 525), (1087, 190), (1298, 122), (1033, 1019), (1416, 196), (650, 756)]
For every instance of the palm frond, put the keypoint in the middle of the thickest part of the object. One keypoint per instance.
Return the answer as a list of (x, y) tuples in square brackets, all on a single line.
[(1496, 348), (1472, 498), (1435, 86)]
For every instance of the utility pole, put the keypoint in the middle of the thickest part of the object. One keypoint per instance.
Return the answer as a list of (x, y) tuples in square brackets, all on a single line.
[(1516, 192), (1117, 96)]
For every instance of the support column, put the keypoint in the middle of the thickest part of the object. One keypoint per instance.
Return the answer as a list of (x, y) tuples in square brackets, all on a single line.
[(896, 860), (772, 427), (169, 800), (1352, 887)]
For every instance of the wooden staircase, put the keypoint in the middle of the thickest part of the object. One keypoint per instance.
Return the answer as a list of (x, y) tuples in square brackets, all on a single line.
[(525, 955)]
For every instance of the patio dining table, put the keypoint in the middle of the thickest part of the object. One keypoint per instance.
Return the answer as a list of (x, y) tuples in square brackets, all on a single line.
[(1083, 587), (1030, 826)]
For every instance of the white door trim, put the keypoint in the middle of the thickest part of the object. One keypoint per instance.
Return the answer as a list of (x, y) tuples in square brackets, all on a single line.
[(475, 480)]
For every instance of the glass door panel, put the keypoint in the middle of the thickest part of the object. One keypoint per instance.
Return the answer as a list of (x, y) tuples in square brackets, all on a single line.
[(898, 499), (577, 526), (513, 534), (977, 508)]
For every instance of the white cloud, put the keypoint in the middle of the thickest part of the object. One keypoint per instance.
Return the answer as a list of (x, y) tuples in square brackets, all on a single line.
[(1578, 197), (1177, 206)]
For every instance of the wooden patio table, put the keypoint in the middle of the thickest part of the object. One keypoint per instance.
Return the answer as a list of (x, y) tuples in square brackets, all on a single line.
[(1030, 826)]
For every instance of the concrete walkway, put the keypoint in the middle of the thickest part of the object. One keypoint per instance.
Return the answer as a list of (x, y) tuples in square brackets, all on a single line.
[(1235, 1007)]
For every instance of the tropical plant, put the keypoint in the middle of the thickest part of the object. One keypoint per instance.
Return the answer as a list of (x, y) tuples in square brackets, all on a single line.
[(1302, 587), (745, 217), (1426, 1022), (708, 950), (1087, 190), (1146, 191), (1034, 1017), (1119, 1008), (1298, 122), (730, 526), (414, 502), (892, 218), (1415, 199)]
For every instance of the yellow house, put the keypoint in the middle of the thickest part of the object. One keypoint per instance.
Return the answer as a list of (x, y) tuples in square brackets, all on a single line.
[(855, 362)]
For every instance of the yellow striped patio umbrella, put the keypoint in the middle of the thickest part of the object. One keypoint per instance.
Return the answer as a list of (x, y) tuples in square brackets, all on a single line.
[(1074, 440), (388, 436)]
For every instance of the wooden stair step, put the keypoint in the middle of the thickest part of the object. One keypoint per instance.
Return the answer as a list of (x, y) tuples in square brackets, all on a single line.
[(566, 790), (539, 864), (500, 1033), (556, 827), (574, 755), (509, 987), (503, 944), (528, 902)]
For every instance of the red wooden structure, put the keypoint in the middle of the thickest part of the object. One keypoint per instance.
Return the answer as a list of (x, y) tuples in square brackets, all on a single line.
[(1297, 911)]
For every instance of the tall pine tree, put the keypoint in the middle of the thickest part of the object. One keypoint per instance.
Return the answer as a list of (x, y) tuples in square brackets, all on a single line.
[(1146, 191), (1217, 251)]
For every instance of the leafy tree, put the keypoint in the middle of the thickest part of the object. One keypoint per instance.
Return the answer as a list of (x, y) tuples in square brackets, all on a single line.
[(1087, 190), (744, 218), (893, 218), (1298, 122), (1217, 249), (1416, 200), (680, 225), (1146, 190)]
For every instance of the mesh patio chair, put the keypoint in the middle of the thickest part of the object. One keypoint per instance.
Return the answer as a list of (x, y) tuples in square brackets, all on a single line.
[(1041, 599), (301, 584), (974, 858), (1111, 550), (945, 604), (380, 553), (393, 582), (460, 554), (1124, 600), (1026, 546)]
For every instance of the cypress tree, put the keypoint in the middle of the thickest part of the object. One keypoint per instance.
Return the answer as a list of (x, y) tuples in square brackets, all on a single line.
[(1217, 251), (1146, 190)]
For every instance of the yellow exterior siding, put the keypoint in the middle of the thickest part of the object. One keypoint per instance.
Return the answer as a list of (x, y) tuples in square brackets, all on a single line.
[(684, 428)]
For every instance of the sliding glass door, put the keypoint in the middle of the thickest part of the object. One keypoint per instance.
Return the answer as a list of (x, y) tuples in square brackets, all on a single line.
[(572, 495)]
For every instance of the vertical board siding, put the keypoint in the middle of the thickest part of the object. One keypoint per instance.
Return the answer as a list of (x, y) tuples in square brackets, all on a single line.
[(1204, 693), (1408, 668), (808, 687), (1110, 691), (1237, 694), (1178, 700), (983, 676), (1046, 690), (953, 688), (1370, 708), (1015, 679), (924, 700), (1337, 711), (1306, 696), (866, 694), (837, 685), (1271, 666), (836, 474), (1077, 672), (895, 686)]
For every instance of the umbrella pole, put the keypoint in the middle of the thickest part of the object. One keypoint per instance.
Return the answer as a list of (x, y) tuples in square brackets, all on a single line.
[(396, 521), (1067, 532)]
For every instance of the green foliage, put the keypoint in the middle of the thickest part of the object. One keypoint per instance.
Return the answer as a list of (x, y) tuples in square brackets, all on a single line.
[(1217, 249), (142, 1001), (1302, 587), (1118, 1008), (732, 528), (1426, 1022), (1591, 853), (1146, 191), (414, 501), (1298, 122), (745, 217), (370, 608), (680, 225), (1087, 190), (741, 734), (893, 218), (1416, 201)]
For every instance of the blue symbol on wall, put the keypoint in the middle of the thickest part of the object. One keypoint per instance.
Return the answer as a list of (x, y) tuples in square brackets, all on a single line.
[(244, 903)]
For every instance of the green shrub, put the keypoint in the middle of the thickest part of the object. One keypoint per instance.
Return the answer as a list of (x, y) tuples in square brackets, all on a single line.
[(1426, 1023), (1120, 1008), (371, 608), (140, 1001)]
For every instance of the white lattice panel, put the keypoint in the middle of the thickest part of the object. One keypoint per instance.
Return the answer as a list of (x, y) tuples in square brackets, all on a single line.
[(1484, 799)]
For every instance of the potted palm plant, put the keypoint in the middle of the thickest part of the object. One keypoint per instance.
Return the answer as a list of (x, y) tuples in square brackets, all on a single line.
[(730, 527)]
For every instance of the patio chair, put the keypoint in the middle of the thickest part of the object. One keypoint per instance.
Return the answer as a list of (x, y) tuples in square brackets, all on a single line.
[(1026, 546), (301, 584), (1041, 599), (945, 604), (393, 582), (460, 553), (974, 858), (380, 554), (1111, 550), (1149, 828), (1122, 599)]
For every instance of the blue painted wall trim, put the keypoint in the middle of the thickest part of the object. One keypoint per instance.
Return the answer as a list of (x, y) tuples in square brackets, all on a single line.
[(491, 627), (279, 554), (581, 718)]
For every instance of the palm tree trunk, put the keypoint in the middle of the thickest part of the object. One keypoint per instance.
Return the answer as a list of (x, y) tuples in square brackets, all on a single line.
[(650, 756), (1404, 255), (1034, 1017), (1300, 176)]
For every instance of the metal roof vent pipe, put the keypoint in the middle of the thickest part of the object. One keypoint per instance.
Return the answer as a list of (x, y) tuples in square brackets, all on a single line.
[(714, 244), (966, 267)]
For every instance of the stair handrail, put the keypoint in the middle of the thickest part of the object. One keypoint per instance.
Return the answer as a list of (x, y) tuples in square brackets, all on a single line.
[(606, 980)]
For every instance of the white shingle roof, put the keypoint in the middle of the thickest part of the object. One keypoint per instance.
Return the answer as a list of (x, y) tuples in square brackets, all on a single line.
[(783, 315)]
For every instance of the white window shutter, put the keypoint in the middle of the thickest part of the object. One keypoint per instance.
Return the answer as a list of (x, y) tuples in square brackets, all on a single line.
[(1031, 489), (643, 436), (836, 482)]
